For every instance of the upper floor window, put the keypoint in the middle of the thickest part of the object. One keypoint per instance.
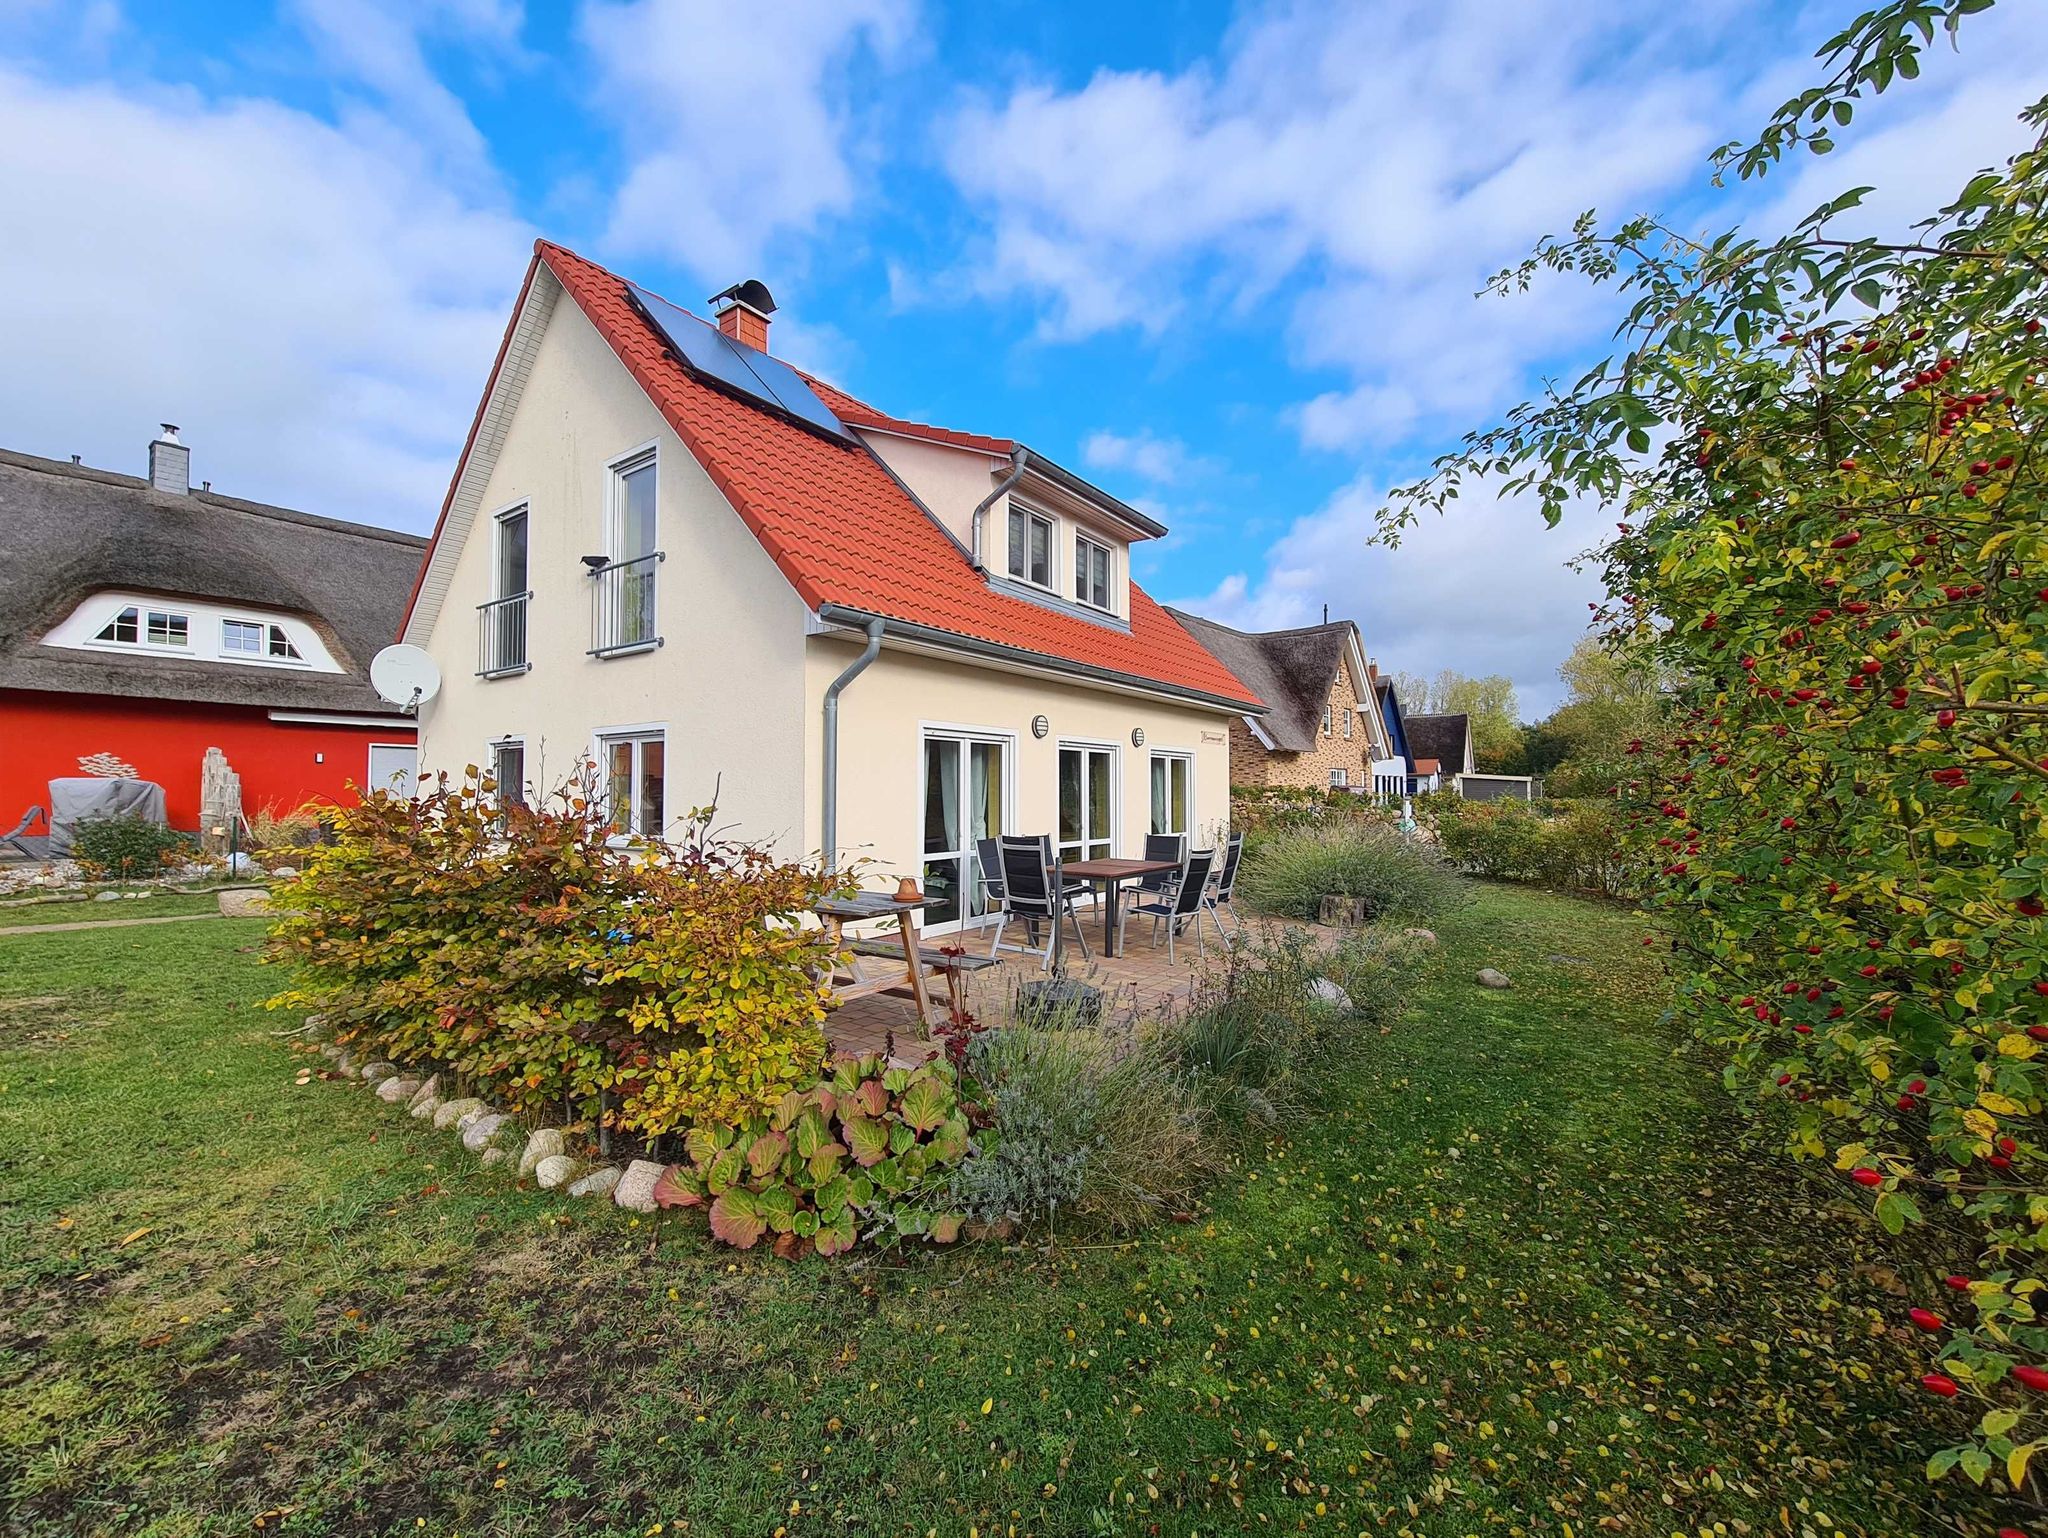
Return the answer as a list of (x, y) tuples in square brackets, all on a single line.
[(136, 626), (1091, 571), (1327, 712), (623, 613), (253, 638), (1030, 547), (501, 620), (1347, 723)]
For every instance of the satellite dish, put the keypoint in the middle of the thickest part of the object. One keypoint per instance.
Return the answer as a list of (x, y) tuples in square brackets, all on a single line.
[(405, 676)]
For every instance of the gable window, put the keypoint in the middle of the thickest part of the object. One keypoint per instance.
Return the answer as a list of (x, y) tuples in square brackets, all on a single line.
[(1172, 803), (1347, 723), (1326, 720), (501, 632), (1091, 571), (122, 628), (1030, 547), (634, 773), (623, 617)]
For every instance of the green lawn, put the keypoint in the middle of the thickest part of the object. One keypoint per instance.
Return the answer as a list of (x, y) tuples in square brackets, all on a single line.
[(1522, 1279), (85, 911)]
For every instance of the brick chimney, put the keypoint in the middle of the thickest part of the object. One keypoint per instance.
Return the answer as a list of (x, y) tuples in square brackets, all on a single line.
[(743, 312), (170, 462)]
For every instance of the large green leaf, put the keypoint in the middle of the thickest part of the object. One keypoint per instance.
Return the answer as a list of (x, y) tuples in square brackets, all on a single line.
[(836, 1237), (867, 1138), (925, 1105), (764, 1154), (777, 1208), (824, 1162), (678, 1186), (736, 1219)]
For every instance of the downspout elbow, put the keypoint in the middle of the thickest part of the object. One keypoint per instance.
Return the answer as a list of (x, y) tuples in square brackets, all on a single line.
[(853, 670), (1019, 458)]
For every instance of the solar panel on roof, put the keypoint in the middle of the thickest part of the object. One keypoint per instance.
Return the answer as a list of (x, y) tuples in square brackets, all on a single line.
[(718, 360)]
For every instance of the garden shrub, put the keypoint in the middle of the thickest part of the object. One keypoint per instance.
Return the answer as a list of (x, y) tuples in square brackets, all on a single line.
[(866, 1153), (1833, 532), (1400, 879), (1259, 809), (520, 951), (127, 848), (1570, 846)]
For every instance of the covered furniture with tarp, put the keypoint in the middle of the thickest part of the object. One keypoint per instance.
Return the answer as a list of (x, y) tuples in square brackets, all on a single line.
[(81, 799)]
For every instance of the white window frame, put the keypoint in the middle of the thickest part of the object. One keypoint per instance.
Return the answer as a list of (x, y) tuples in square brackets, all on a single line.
[(1347, 723), (1179, 755), (497, 745), (499, 519), (1116, 794), (638, 734), (142, 643), (1021, 555), (1329, 719), (370, 761), (616, 471), (1340, 779), (959, 732), (1108, 549)]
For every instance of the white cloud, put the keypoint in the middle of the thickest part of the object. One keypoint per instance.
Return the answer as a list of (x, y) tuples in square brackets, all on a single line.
[(308, 302), (736, 118), (1159, 461), (1484, 589)]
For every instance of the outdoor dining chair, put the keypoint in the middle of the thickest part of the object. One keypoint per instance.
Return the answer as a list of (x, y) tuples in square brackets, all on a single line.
[(1223, 897), (1184, 902), (1034, 894), (1163, 846)]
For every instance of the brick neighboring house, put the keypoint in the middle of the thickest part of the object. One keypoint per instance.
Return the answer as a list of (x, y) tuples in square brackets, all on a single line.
[(1323, 728)]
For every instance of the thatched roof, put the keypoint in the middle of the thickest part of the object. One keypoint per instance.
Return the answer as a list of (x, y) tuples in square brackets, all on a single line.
[(1291, 670), (68, 531), (1445, 738)]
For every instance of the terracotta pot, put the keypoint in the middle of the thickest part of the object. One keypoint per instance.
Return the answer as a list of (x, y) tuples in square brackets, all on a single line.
[(906, 890)]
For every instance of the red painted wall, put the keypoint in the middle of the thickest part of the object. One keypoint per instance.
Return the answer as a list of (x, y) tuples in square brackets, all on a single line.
[(42, 737)]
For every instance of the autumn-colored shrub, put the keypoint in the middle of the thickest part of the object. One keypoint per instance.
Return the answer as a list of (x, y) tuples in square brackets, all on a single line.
[(1825, 455), (523, 951), (127, 848), (866, 1153)]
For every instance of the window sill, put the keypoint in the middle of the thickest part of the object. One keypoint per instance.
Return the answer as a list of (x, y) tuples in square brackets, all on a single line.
[(626, 649), (505, 672)]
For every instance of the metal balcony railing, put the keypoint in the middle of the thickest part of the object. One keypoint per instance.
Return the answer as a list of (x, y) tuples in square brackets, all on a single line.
[(622, 613), (501, 636)]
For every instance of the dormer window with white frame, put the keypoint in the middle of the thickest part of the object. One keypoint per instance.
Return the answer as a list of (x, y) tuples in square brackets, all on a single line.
[(194, 629), (1031, 547), (1093, 564)]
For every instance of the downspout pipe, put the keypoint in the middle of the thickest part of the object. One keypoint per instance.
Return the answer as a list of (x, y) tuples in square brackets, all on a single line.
[(1019, 458), (853, 670)]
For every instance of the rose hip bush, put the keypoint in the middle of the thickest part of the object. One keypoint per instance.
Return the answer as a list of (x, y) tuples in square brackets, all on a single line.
[(522, 951), (1827, 455)]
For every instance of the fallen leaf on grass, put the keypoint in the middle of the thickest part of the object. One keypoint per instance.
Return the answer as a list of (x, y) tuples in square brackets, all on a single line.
[(132, 1238)]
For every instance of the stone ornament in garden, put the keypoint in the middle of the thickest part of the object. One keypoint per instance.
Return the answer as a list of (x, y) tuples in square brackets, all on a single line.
[(478, 1134), (553, 1171), (452, 1111), (635, 1190), (544, 1144), (396, 1089), (1489, 978), (598, 1182)]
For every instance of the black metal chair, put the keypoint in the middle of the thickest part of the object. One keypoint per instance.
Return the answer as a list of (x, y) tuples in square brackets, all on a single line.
[(988, 855), (1223, 896), (1185, 902), (1163, 846), (1034, 894)]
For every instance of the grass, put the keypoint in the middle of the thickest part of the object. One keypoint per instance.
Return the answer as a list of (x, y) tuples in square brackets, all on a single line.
[(85, 911), (1526, 1277)]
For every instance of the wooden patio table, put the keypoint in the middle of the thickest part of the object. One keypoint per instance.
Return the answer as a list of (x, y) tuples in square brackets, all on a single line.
[(1109, 876), (837, 912)]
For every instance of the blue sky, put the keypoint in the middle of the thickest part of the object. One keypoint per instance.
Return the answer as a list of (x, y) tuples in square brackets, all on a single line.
[(1219, 258)]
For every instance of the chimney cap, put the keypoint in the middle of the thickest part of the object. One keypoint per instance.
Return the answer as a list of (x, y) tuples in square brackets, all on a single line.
[(752, 293), (169, 433)]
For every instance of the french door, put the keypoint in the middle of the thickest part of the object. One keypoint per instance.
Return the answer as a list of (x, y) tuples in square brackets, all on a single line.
[(966, 797), (1087, 803)]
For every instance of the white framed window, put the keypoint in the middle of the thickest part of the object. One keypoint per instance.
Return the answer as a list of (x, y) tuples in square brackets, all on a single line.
[(1347, 723), (1031, 547), (967, 797), (1173, 793), (508, 770), (139, 626), (1091, 571), (1328, 712), (1088, 778), (255, 640), (626, 618), (395, 767), (501, 619), (1340, 779), (634, 764)]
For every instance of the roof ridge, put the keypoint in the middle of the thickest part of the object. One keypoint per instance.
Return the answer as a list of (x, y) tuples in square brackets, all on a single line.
[(1254, 635)]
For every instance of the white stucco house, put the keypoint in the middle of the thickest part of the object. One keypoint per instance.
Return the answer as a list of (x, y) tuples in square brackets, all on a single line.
[(664, 550)]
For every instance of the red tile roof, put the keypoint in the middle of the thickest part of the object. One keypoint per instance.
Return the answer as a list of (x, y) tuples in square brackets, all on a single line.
[(844, 532)]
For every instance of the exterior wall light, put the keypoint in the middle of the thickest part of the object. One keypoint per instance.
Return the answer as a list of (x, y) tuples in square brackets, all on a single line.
[(1137, 736), (1040, 726)]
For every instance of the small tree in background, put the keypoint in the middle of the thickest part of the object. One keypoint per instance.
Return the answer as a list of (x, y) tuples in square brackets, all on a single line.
[(1826, 452)]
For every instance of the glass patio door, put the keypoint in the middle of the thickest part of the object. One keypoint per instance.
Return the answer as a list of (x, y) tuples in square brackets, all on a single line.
[(1087, 803), (965, 798)]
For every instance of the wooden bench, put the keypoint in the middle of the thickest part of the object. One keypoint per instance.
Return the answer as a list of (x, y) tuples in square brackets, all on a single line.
[(933, 958)]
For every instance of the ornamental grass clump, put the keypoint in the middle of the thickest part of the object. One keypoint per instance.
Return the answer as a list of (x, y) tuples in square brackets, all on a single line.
[(523, 952), (1399, 879)]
